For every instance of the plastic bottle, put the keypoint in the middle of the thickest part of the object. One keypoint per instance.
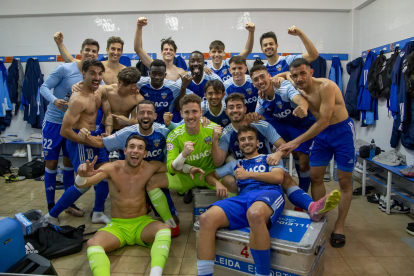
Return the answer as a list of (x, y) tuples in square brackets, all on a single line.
[(59, 175), (372, 148), (67, 97), (335, 173)]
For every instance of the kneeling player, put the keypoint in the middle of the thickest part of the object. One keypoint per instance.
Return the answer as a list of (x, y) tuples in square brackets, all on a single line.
[(130, 223), (258, 206)]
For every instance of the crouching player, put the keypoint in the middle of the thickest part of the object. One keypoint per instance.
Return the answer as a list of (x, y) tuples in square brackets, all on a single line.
[(258, 205), (130, 223)]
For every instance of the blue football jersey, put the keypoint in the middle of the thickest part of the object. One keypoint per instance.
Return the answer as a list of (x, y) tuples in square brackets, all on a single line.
[(221, 119), (255, 164), (267, 137), (247, 89), (198, 89), (282, 64), (156, 141), (223, 72), (163, 97), (281, 107)]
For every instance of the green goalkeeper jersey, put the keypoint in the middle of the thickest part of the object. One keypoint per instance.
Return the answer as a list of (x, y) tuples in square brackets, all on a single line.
[(203, 143)]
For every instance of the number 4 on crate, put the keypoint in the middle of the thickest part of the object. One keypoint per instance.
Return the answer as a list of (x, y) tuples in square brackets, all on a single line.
[(245, 252)]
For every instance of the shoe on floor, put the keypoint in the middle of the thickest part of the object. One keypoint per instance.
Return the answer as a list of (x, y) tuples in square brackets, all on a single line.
[(381, 202), (327, 177), (188, 198), (100, 217), (319, 208), (337, 240), (75, 211), (396, 207), (175, 232), (410, 229), (375, 198)]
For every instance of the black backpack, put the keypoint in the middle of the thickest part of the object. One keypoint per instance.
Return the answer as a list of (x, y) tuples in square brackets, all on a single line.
[(33, 169), (408, 72), (384, 78), (4, 166), (258, 61), (373, 74), (142, 69)]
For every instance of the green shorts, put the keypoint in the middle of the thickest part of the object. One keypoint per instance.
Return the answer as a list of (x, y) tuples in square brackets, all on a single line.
[(182, 182), (128, 231)]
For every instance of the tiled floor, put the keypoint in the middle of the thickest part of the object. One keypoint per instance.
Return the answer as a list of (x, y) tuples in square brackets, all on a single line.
[(374, 245)]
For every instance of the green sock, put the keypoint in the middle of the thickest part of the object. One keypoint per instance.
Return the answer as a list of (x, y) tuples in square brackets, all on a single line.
[(98, 261), (160, 248), (160, 203)]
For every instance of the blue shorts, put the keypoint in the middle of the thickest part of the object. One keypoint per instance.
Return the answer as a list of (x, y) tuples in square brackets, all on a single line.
[(53, 141), (336, 140), (236, 207), (103, 153), (289, 133), (79, 153)]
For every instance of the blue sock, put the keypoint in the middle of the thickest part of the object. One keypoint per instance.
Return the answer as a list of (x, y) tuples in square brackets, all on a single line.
[(68, 177), (299, 198), (304, 179), (101, 193), (261, 260), (50, 185), (68, 198), (205, 267)]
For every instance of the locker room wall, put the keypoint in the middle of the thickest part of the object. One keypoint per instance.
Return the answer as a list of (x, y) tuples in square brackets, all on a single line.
[(378, 24)]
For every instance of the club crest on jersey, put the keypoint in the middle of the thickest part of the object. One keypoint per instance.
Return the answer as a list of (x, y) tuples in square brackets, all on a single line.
[(249, 91), (45, 152), (258, 160), (224, 72), (111, 136), (279, 67), (170, 146), (156, 142), (279, 104), (207, 140), (402, 54), (163, 95), (225, 121)]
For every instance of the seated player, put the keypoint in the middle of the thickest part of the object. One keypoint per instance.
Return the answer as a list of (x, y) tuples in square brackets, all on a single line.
[(258, 206), (222, 67), (130, 223), (214, 109)]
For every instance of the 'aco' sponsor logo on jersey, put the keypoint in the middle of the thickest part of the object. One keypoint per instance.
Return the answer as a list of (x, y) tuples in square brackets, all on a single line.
[(170, 146), (251, 100), (226, 77), (163, 95), (161, 104), (283, 114), (207, 140), (197, 156), (154, 153), (260, 168), (156, 142)]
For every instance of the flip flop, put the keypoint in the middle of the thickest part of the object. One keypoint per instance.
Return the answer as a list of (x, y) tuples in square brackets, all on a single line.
[(337, 240), (358, 191)]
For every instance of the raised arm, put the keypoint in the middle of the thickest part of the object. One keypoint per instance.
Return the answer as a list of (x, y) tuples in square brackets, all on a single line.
[(301, 110), (185, 82), (88, 176), (106, 108), (312, 53), (218, 154), (58, 37), (145, 58), (72, 115), (250, 40)]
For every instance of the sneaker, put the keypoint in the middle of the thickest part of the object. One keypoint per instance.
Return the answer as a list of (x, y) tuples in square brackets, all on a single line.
[(100, 217), (115, 155), (75, 211), (40, 178), (319, 208), (111, 155), (23, 152), (381, 202), (409, 172), (327, 177), (410, 229), (396, 207), (17, 152), (175, 232), (51, 220), (358, 168)]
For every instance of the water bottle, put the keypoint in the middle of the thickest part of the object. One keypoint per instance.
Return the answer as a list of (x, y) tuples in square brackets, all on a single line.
[(59, 175), (335, 172), (372, 148), (67, 97)]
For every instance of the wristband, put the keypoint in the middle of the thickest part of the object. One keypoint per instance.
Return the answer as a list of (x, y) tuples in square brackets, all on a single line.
[(187, 168), (179, 162), (80, 181)]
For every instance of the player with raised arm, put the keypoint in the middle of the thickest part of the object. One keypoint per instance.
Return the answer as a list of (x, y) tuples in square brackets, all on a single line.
[(155, 135), (278, 64), (287, 111), (241, 83), (333, 134), (114, 49), (61, 80), (130, 223), (222, 67), (258, 206), (81, 113)]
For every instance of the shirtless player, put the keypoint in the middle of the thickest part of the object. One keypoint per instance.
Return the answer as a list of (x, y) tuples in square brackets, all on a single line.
[(130, 223), (333, 133)]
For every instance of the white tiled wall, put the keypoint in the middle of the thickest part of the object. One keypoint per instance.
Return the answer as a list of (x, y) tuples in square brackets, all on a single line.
[(378, 24)]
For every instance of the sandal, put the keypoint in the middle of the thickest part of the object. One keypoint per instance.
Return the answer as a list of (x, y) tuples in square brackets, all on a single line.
[(358, 191), (337, 240)]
